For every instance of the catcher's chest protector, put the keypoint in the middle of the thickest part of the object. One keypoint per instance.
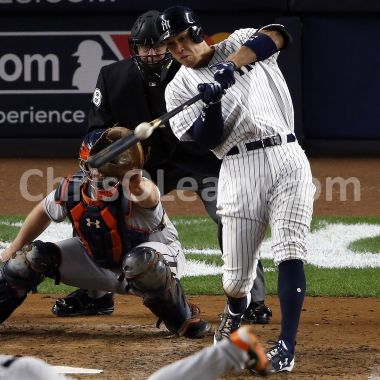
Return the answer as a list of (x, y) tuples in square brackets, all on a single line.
[(100, 225)]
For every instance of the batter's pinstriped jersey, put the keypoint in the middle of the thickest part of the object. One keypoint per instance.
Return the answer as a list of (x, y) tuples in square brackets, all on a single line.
[(257, 188), (257, 105)]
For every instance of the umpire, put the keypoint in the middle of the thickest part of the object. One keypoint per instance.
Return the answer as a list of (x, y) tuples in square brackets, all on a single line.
[(129, 92)]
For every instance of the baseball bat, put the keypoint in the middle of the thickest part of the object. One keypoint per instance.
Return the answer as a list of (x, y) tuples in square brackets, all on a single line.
[(145, 130)]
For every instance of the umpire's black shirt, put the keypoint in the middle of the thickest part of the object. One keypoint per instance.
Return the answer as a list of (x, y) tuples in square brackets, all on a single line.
[(126, 99)]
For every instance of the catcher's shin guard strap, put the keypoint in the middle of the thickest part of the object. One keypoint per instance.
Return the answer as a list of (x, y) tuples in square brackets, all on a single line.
[(181, 331), (171, 307), (193, 319)]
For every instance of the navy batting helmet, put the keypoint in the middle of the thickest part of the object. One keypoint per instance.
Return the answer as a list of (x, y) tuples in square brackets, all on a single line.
[(177, 19)]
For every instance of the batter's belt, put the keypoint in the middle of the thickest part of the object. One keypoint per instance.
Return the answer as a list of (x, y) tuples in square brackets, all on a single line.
[(263, 143)]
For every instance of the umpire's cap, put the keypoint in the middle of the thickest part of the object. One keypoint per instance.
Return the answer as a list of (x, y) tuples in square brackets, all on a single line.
[(144, 30), (177, 19)]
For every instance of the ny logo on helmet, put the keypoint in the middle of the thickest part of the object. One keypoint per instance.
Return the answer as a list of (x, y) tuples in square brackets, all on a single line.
[(97, 223), (165, 24)]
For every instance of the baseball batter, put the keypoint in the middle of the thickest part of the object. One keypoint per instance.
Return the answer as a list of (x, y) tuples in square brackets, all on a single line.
[(242, 350), (124, 241), (246, 118)]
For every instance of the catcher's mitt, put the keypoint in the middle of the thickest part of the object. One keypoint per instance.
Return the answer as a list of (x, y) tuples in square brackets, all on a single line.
[(131, 159)]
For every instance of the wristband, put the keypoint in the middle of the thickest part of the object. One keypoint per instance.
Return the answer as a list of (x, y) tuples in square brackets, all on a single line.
[(262, 45), (232, 63), (221, 63)]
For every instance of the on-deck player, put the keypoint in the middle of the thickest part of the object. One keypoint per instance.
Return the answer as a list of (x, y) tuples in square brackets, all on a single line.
[(246, 118), (242, 350)]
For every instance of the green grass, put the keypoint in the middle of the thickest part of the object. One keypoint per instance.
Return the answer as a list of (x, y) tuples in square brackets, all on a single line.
[(196, 232), (370, 245), (7, 231), (201, 232)]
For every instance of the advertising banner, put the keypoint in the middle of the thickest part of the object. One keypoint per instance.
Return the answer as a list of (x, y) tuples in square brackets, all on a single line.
[(47, 78)]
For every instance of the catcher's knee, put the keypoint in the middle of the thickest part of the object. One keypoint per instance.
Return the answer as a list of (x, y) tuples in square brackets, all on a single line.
[(146, 270), (28, 267), (25, 269)]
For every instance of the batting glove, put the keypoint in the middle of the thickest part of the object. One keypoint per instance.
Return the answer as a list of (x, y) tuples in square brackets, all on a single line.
[(225, 73), (211, 92)]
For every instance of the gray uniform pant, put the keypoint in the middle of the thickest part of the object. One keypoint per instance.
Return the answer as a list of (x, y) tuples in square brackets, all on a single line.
[(80, 270), (210, 363)]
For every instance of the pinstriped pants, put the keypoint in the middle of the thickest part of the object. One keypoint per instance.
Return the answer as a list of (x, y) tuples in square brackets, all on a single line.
[(265, 187)]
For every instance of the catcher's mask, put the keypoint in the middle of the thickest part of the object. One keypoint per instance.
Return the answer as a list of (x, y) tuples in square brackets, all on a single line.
[(104, 188), (151, 58)]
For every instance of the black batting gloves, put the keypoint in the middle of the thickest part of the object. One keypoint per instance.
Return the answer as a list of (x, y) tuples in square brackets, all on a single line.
[(211, 92), (225, 73)]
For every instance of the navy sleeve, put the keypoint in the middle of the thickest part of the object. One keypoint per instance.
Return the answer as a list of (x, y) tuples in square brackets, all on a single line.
[(207, 130)]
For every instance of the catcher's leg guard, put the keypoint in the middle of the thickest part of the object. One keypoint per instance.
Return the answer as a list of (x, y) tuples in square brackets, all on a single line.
[(25, 270), (149, 275)]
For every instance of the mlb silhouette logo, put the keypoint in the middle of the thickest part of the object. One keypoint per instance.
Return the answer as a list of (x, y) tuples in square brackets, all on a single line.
[(60, 71), (57, 62)]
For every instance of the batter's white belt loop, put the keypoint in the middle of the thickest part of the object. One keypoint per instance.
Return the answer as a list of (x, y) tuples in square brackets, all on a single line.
[(284, 138)]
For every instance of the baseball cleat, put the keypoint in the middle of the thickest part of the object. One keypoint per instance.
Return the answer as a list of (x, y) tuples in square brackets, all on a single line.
[(280, 358), (198, 330), (257, 313), (227, 325), (246, 339), (79, 304)]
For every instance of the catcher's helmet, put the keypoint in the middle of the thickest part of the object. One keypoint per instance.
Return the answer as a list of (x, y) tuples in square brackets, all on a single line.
[(175, 20), (88, 142), (144, 33), (104, 187)]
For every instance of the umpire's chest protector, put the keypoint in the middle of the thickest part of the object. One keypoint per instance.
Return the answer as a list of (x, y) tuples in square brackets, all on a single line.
[(100, 225)]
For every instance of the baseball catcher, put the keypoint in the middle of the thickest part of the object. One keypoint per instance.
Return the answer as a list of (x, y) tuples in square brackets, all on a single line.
[(124, 242)]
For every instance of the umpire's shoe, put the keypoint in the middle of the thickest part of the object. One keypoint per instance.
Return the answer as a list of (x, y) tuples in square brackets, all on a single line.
[(78, 304), (257, 313)]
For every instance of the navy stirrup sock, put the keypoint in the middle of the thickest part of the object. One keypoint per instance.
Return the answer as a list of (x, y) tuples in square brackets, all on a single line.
[(291, 293), (237, 305)]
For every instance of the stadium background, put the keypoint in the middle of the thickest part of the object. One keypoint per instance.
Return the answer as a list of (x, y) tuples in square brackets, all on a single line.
[(331, 70)]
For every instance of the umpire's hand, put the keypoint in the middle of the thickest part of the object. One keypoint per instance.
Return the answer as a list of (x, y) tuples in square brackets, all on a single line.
[(211, 92)]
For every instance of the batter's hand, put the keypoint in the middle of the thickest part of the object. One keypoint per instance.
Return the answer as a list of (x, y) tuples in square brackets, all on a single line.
[(225, 73), (211, 92)]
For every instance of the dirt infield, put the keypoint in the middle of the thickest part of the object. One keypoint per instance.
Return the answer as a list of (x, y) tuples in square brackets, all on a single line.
[(338, 337)]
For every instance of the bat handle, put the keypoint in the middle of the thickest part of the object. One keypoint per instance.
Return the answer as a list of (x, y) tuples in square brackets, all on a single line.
[(163, 119)]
